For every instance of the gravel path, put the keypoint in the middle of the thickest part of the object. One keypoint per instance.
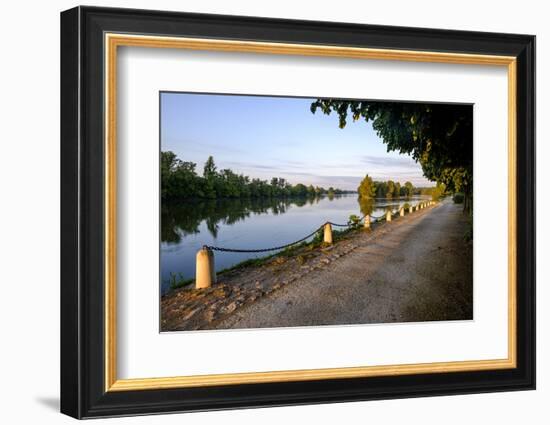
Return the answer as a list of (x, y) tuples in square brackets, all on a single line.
[(421, 270)]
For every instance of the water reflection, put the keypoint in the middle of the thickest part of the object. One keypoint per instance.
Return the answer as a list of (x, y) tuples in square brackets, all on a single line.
[(180, 220), (366, 206)]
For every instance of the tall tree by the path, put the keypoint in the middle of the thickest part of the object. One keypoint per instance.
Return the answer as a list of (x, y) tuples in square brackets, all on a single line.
[(367, 188), (438, 136)]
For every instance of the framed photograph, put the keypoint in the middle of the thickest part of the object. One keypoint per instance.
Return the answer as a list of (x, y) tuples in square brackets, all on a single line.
[(261, 212)]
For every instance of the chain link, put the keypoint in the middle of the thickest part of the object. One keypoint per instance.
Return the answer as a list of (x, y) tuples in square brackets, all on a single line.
[(277, 248)]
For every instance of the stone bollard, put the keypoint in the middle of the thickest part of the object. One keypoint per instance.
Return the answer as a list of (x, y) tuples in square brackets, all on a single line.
[(402, 212), (366, 225), (411, 209), (205, 275), (328, 233), (388, 215)]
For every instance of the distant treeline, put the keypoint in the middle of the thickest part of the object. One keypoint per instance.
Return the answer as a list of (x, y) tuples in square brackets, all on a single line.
[(179, 180), (370, 189)]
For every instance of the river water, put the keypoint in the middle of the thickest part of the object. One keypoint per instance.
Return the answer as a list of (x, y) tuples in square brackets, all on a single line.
[(249, 224)]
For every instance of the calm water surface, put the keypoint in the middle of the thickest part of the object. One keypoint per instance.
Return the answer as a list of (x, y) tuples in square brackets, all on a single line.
[(249, 224)]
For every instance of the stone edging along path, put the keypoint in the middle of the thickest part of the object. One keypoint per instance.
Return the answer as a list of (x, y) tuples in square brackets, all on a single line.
[(193, 309)]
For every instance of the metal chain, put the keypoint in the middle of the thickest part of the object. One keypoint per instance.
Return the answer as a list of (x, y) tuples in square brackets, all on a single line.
[(276, 248), (345, 225)]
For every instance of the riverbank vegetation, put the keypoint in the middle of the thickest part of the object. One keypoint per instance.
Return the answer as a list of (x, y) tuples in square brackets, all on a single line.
[(438, 136), (180, 180)]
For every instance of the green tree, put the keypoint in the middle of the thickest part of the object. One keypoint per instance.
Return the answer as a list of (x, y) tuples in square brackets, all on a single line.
[(209, 170), (211, 187), (397, 190), (438, 136), (367, 188), (299, 190), (168, 161), (381, 189), (390, 189), (409, 188), (178, 178)]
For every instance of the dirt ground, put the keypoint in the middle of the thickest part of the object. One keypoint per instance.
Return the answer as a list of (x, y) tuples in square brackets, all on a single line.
[(415, 268)]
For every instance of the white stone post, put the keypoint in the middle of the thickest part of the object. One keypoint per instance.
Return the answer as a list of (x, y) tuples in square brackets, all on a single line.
[(328, 233), (411, 209), (366, 225), (205, 269), (402, 211), (388, 215)]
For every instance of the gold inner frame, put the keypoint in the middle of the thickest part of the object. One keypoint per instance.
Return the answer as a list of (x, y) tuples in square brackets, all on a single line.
[(113, 41)]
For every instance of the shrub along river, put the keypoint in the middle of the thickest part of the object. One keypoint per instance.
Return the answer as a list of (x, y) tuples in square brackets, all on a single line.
[(249, 224)]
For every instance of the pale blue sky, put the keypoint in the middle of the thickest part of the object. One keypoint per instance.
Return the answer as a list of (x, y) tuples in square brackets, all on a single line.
[(266, 137)]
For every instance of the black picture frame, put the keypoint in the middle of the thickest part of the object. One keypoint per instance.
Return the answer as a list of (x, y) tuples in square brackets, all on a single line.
[(83, 392)]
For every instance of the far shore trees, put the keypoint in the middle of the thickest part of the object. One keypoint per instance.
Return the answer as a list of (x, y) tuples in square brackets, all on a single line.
[(370, 189), (409, 189), (179, 180)]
